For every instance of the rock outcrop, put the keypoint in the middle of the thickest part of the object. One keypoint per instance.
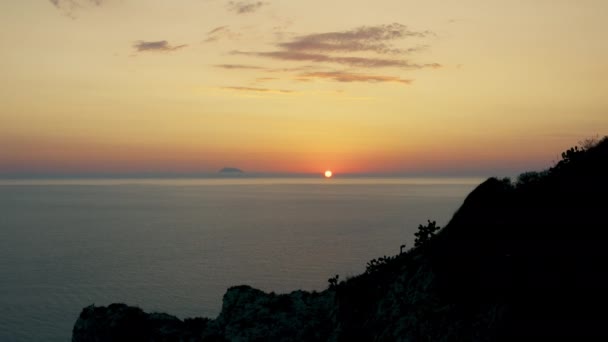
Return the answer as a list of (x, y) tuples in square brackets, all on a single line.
[(119, 322)]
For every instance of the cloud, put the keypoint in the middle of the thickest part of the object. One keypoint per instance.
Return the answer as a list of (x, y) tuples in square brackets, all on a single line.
[(361, 47), (295, 69), (361, 62), (69, 7), (244, 7), (221, 32), (358, 49), (156, 46), (72, 3), (343, 76), (377, 39), (239, 67), (265, 69), (259, 90), (266, 79)]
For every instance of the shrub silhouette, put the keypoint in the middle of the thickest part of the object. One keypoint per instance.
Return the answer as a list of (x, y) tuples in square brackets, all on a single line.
[(333, 281), (376, 264), (425, 233), (572, 155)]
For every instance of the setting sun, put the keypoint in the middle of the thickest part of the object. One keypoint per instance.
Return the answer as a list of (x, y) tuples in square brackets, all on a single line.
[(328, 174)]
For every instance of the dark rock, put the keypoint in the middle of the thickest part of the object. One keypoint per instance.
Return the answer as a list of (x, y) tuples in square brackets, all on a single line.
[(230, 171), (252, 315)]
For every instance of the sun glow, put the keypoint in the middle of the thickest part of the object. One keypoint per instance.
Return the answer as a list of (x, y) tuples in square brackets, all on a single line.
[(328, 174)]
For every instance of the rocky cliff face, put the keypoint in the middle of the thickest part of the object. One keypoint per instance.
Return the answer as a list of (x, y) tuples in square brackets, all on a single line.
[(403, 306), (119, 322), (247, 315), (517, 261), (386, 311)]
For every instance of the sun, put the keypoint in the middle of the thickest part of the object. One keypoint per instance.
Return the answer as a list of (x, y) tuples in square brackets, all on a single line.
[(328, 174)]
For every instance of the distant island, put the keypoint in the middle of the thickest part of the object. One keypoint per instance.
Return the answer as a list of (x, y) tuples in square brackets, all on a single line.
[(523, 259), (231, 171)]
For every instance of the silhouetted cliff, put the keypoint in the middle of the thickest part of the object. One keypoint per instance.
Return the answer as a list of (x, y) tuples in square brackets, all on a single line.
[(518, 259)]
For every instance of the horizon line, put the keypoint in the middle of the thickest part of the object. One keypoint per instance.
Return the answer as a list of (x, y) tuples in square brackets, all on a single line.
[(194, 175)]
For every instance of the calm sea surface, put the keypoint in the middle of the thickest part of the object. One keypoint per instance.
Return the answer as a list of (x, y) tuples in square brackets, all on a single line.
[(177, 245)]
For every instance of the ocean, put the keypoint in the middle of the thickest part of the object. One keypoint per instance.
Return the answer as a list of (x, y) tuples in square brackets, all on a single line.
[(176, 245)]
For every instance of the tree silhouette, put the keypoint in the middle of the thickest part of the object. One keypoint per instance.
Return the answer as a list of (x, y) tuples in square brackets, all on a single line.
[(425, 233)]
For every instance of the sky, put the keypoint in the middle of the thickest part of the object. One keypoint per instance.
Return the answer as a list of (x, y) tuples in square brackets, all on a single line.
[(468, 87)]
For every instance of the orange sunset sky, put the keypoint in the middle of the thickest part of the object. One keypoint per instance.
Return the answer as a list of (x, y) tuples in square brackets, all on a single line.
[(478, 87)]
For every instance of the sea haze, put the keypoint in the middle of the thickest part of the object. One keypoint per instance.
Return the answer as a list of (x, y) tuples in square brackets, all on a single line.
[(176, 245)]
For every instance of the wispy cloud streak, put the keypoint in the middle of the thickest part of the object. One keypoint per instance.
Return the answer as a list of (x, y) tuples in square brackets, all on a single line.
[(376, 43), (156, 46), (362, 62), (245, 7), (259, 90), (73, 3), (344, 76), (221, 32), (69, 7), (377, 39), (239, 67)]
